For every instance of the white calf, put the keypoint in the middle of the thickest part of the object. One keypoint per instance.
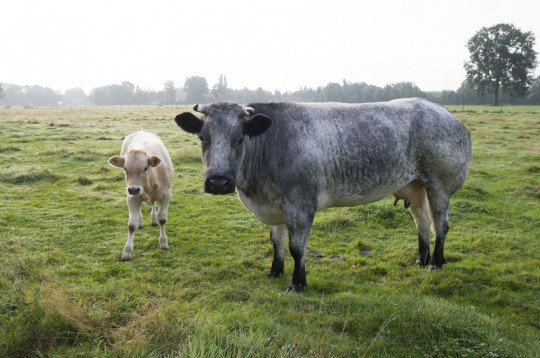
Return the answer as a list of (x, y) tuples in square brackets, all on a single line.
[(149, 172)]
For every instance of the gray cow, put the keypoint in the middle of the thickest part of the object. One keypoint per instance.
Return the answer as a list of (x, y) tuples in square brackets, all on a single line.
[(288, 160)]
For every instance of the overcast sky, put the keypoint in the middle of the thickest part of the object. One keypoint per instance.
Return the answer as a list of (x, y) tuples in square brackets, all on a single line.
[(275, 44)]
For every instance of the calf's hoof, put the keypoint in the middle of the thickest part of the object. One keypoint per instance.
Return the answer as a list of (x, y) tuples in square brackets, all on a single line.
[(295, 288), (126, 256), (434, 267), (164, 246), (155, 224)]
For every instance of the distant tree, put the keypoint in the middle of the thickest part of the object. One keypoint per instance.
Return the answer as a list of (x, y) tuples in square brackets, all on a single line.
[(29, 96), (169, 93), (196, 89), (128, 93), (75, 97), (1, 91), (534, 93), (501, 60), (220, 91), (333, 92)]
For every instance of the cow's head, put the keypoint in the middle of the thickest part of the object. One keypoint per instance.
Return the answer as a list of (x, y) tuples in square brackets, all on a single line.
[(136, 164), (222, 130)]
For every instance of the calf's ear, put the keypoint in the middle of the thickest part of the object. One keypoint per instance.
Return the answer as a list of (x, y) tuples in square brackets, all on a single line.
[(117, 161), (189, 122), (154, 161), (257, 124)]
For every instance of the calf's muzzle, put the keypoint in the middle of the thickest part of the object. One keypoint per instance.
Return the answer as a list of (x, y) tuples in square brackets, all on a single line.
[(134, 190)]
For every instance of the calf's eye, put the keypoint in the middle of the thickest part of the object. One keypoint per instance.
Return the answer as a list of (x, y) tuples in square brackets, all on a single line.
[(145, 168), (240, 141), (201, 138)]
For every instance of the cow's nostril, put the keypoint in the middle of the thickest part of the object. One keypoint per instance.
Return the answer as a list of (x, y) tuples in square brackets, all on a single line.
[(219, 181)]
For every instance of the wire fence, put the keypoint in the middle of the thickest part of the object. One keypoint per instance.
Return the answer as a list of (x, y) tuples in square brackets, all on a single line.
[(118, 107)]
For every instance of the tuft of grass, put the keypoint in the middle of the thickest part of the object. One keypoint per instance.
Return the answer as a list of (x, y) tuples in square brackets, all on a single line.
[(27, 177), (8, 150), (84, 181)]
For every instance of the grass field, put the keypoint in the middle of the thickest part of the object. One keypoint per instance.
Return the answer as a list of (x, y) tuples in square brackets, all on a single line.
[(64, 291)]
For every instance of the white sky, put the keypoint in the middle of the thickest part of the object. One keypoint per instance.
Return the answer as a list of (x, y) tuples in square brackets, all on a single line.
[(274, 44)]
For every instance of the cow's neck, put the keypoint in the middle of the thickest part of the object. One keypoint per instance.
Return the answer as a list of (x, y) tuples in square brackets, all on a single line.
[(253, 169)]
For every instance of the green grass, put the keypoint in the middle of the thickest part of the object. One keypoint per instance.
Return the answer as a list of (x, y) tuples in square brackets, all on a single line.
[(64, 291)]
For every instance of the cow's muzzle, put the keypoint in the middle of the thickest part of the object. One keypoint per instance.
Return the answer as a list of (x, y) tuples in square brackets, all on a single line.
[(219, 185)]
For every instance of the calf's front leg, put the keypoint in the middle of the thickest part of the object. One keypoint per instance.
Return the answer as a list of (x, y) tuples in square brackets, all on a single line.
[(153, 215), (134, 222), (162, 219)]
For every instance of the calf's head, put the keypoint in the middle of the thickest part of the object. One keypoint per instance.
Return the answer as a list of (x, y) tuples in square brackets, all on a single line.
[(136, 165), (222, 130)]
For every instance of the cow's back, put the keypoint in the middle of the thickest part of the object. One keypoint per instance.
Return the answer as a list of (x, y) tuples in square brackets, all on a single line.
[(360, 149)]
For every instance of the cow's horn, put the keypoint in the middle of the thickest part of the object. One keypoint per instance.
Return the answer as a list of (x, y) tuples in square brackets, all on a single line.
[(201, 108)]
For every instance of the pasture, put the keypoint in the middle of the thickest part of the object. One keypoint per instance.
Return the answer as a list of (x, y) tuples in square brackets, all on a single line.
[(65, 292)]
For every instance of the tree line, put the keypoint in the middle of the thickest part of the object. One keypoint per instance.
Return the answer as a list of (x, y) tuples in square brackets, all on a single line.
[(196, 90)]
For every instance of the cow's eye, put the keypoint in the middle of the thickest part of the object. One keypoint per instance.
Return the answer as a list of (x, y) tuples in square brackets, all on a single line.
[(125, 170), (145, 168), (201, 138), (240, 141)]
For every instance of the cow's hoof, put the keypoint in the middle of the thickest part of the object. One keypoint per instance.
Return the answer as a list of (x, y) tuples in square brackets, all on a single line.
[(141, 227), (155, 224), (434, 267), (126, 256), (295, 288), (274, 273), (422, 263), (423, 259), (164, 246)]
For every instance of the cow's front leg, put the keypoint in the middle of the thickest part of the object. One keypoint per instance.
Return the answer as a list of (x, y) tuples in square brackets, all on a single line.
[(299, 222), (134, 221), (277, 236), (162, 219)]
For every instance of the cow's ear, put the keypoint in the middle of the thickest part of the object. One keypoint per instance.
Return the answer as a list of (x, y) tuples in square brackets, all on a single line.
[(189, 122), (257, 124), (154, 161), (117, 161)]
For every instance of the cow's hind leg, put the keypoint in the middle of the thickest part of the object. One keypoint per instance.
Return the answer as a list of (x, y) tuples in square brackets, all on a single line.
[(153, 215), (438, 202), (277, 237), (162, 220), (415, 198), (420, 210)]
